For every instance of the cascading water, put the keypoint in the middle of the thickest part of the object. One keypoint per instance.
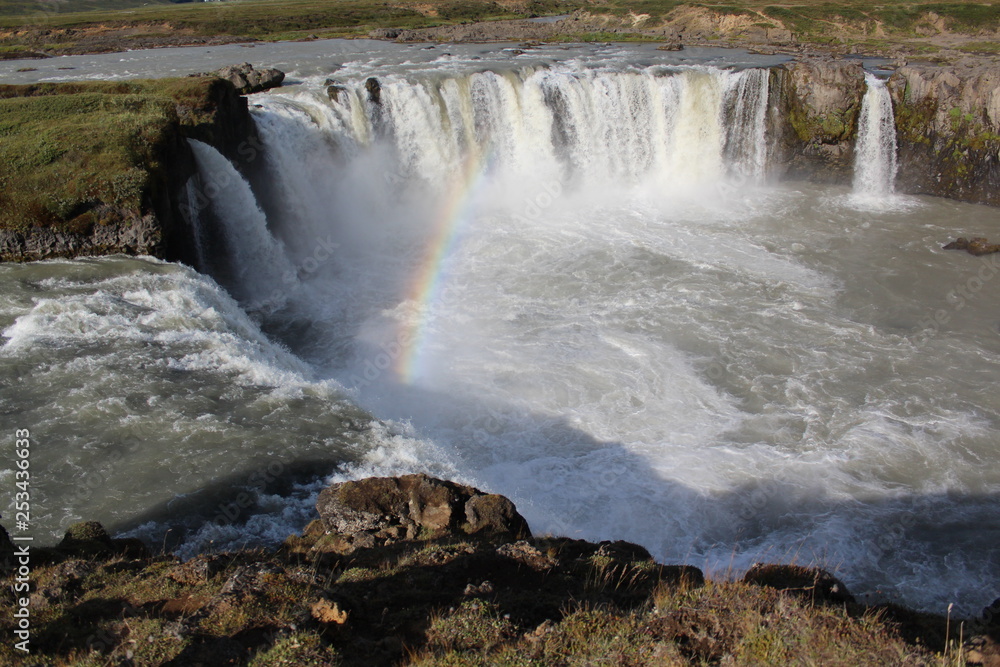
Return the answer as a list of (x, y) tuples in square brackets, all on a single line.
[(257, 262), (746, 120), (567, 283), (875, 153), (669, 128)]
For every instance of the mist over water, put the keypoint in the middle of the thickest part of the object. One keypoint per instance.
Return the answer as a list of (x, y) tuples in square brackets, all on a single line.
[(571, 284)]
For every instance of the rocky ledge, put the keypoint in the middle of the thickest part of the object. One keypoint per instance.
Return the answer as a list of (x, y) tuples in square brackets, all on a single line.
[(417, 570)]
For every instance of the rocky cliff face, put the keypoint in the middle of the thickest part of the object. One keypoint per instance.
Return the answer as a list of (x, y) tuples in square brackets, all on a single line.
[(948, 128), (947, 125), (819, 104)]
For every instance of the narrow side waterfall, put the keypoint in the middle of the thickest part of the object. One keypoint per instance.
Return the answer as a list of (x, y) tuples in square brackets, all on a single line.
[(875, 154), (257, 262), (746, 123)]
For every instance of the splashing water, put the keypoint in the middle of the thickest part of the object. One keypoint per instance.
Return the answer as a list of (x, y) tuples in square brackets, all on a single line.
[(875, 154)]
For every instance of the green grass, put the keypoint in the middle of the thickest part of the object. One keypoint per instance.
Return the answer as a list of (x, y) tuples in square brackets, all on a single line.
[(30, 7), (74, 155), (265, 18), (408, 604), (966, 16)]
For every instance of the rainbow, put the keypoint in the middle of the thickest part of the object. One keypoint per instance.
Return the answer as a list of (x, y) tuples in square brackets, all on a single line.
[(429, 280)]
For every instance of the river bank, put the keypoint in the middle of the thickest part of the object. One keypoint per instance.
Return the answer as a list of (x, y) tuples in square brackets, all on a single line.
[(418, 571), (943, 33)]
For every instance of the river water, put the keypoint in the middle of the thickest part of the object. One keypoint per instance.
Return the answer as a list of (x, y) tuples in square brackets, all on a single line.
[(562, 275)]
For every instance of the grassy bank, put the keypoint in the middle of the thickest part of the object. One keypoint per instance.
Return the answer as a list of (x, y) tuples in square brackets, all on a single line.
[(75, 155), (452, 601), (251, 20)]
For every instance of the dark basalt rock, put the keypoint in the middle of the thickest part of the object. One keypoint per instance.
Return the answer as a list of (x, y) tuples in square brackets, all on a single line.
[(374, 89), (248, 80), (623, 551), (382, 510), (334, 90), (809, 582)]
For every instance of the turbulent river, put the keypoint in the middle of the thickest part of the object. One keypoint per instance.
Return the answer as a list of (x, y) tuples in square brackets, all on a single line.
[(564, 276)]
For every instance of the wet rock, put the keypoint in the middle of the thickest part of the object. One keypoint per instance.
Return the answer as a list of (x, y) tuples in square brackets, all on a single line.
[(383, 510), (822, 99), (384, 33), (335, 91), (374, 89), (248, 80), (981, 246), (809, 582), (947, 125), (977, 246)]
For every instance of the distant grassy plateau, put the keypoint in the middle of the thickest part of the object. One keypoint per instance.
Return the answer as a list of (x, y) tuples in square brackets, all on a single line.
[(54, 27)]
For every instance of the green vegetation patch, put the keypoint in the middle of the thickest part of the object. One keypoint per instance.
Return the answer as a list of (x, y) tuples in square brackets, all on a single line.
[(966, 16), (75, 155), (43, 7)]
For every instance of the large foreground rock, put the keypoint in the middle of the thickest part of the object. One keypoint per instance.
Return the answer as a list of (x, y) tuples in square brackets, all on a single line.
[(381, 510)]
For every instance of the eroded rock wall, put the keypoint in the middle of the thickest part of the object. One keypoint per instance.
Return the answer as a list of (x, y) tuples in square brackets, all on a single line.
[(948, 130), (947, 125)]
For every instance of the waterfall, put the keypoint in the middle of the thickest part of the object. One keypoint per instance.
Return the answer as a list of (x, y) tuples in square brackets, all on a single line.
[(667, 127), (193, 217), (257, 262), (746, 123), (875, 154)]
